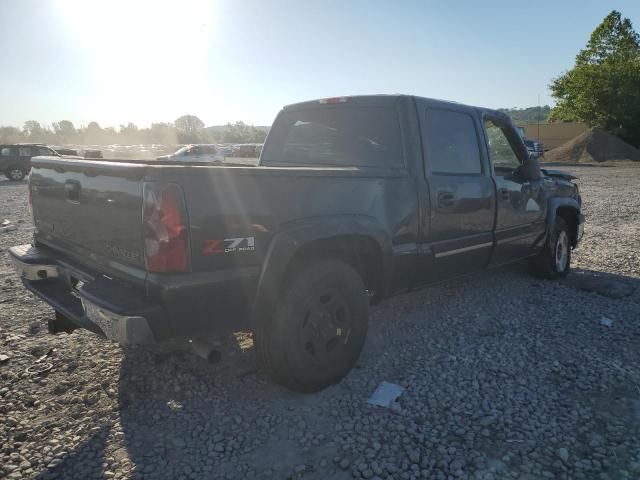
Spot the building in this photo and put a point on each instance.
(552, 134)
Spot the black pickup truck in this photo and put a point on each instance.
(354, 199)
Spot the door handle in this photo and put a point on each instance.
(504, 194)
(446, 199)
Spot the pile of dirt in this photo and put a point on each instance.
(593, 146)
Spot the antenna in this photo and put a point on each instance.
(538, 117)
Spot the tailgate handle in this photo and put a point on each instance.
(72, 187)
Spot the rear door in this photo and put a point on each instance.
(461, 191)
(520, 221)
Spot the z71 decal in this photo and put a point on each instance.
(229, 245)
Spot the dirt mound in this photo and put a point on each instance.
(593, 146)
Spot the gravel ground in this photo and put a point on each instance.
(505, 376)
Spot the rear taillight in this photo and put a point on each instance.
(166, 236)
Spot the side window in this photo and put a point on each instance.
(24, 151)
(451, 143)
(500, 151)
(6, 152)
(43, 151)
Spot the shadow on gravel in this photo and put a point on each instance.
(191, 419)
(84, 462)
(606, 284)
(9, 183)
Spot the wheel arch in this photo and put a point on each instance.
(358, 240)
(569, 210)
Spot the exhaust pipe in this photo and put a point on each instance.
(206, 350)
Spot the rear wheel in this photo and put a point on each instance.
(555, 259)
(15, 174)
(315, 336)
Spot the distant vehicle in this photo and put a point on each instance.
(226, 150)
(535, 149)
(66, 151)
(196, 153)
(90, 153)
(15, 160)
(354, 199)
(245, 151)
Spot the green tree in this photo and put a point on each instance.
(10, 135)
(33, 130)
(163, 133)
(93, 133)
(528, 114)
(603, 88)
(240, 132)
(65, 131)
(189, 129)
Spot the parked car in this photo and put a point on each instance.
(90, 153)
(66, 151)
(195, 153)
(225, 150)
(355, 199)
(244, 151)
(15, 160)
(535, 149)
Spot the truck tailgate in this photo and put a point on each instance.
(91, 210)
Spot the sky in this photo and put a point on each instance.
(145, 61)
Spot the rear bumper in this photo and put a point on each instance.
(166, 306)
(106, 307)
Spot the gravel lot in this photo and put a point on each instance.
(506, 377)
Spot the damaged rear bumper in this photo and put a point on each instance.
(104, 306)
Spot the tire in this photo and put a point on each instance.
(555, 259)
(318, 329)
(15, 174)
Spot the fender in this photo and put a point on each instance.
(293, 236)
(554, 203)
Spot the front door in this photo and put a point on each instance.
(522, 206)
(461, 193)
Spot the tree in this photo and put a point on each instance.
(32, 129)
(65, 131)
(189, 128)
(240, 132)
(603, 88)
(528, 114)
(93, 133)
(163, 133)
(10, 135)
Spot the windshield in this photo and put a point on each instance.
(181, 151)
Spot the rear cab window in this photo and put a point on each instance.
(344, 135)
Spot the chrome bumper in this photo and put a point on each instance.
(30, 271)
(101, 306)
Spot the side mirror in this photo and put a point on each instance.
(530, 169)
